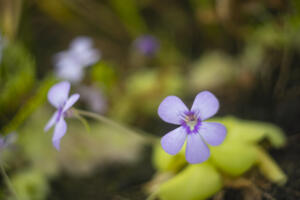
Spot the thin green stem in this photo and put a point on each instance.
(83, 121)
(7, 182)
(150, 138)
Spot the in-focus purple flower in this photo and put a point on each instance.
(193, 128)
(58, 96)
(70, 63)
(147, 45)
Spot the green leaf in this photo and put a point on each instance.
(30, 184)
(130, 15)
(104, 74)
(234, 158)
(163, 161)
(252, 131)
(195, 182)
(269, 168)
(210, 65)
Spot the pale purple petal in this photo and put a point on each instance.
(58, 94)
(196, 149)
(7, 140)
(10, 139)
(94, 98)
(68, 69)
(87, 57)
(173, 141)
(205, 105)
(172, 109)
(213, 133)
(51, 122)
(82, 52)
(2, 142)
(71, 101)
(81, 42)
(59, 132)
(59, 58)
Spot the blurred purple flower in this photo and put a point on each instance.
(94, 98)
(193, 128)
(70, 64)
(6, 141)
(1, 46)
(147, 45)
(58, 97)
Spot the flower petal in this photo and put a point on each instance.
(2, 143)
(205, 105)
(10, 139)
(67, 68)
(59, 132)
(213, 133)
(51, 122)
(81, 42)
(196, 149)
(173, 141)
(171, 109)
(82, 52)
(58, 94)
(71, 101)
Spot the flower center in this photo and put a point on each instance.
(191, 122)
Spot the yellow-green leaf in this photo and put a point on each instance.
(165, 162)
(234, 158)
(195, 182)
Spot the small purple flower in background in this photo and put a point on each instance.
(6, 141)
(82, 50)
(94, 98)
(147, 45)
(58, 96)
(1, 46)
(70, 64)
(193, 128)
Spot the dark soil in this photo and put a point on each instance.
(289, 160)
(116, 181)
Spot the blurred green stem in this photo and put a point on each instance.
(150, 138)
(7, 182)
(269, 168)
(83, 121)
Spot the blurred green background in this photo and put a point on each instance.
(244, 51)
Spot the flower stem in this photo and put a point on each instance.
(83, 121)
(7, 181)
(150, 138)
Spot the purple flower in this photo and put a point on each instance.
(58, 97)
(82, 50)
(192, 126)
(70, 64)
(1, 46)
(7, 140)
(147, 45)
(94, 98)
